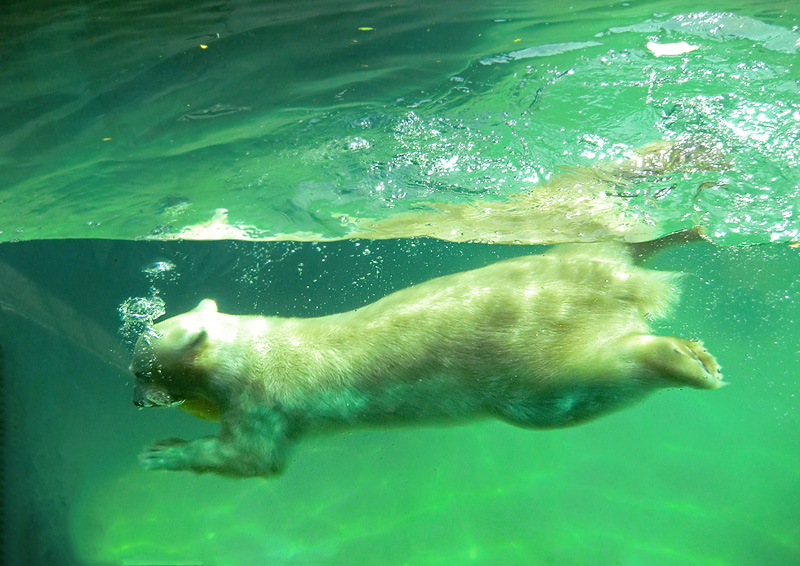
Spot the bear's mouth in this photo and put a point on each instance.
(154, 398)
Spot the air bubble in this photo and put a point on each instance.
(138, 314)
(160, 270)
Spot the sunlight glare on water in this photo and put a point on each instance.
(239, 112)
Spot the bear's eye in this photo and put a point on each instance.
(143, 376)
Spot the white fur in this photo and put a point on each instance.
(541, 341)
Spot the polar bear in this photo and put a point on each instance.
(543, 341)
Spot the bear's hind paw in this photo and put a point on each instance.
(677, 361)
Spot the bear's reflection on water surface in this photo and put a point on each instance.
(542, 341)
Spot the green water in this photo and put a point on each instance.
(118, 126)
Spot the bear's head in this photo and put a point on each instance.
(168, 364)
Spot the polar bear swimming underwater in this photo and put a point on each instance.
(542, 341)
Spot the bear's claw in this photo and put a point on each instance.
(165, 454)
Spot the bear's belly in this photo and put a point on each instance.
(571, 405)
(444, 401)
(422, 402)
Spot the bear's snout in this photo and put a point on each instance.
(140, 397)
(153, 398)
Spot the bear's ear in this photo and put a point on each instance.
(206, 305)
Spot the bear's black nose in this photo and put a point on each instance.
(140, 398)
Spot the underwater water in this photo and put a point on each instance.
(124, 124)
(685, 477)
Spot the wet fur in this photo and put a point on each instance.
(543, 341)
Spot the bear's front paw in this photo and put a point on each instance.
(168, 454)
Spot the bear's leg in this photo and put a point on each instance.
(675, 361)
(641, 251)
(250, 443)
